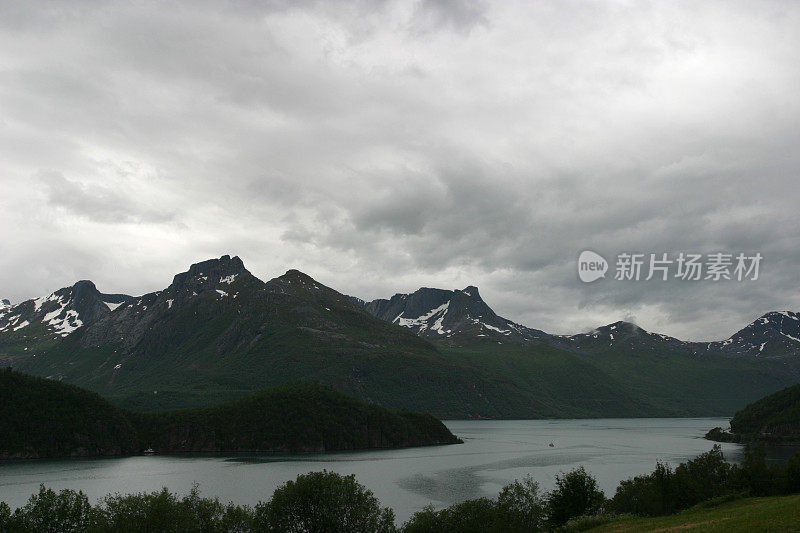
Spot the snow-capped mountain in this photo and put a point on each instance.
(446, 314)
(462, 315)
(24, 326)
(206, 289)
(774, 334)
(217, 331)
(620, 334)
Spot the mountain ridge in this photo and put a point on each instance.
(217, 332)
(442, 314)
(38, 322)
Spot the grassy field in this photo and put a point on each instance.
(781, 513)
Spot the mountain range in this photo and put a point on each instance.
(217, 332)
(462, 316)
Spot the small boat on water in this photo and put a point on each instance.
(149, 451)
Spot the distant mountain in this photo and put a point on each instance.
(33, 324)
(775, 334)
(620, 335)
(217, 332)
(449, 314)
(682, 377)
(463, 316)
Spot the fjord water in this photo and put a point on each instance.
(494, 453)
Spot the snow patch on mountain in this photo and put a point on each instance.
(437, 326)
(420, 323)
(111, 305)
(488, 326)
(38, 302)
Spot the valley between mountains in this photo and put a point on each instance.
(217, 333)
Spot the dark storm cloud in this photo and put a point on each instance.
(382, 146)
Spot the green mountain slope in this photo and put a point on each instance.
(217, 332)
(688, 384)
(42, 418)
(777, 415)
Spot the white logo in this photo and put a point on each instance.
(591, 266)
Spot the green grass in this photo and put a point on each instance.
(779, 513)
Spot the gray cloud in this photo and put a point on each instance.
(98, 202)
(382, 146)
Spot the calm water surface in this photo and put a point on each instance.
(493, 454)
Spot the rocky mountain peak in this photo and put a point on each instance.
(440, 313)
(623, 327)
(295, 276)
(212, 271)
(472, 291)
(776, 333)
(299, 283)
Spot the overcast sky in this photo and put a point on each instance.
(382, 146)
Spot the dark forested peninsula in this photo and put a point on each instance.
(774, 419)
(41, 418)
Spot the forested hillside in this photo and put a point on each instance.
(42, 418)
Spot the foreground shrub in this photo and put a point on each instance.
(754, 476)
(471, 516)
(575, 494)
(665, 491)
(49, 511)
(5, 515)
(705, 477)
(648, 495)
(323, 502)
(792, 483)
(521, 507)
(518, 508)
(164, 511)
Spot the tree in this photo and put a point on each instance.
(49, 511)
(324, 502)
(5, 516)
(702, 478)
(576, 494)
(753, 475)
(521, 507)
